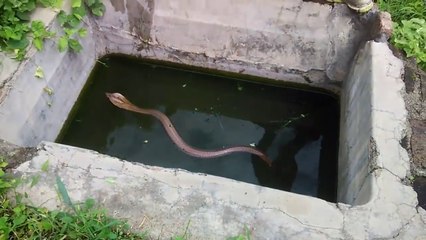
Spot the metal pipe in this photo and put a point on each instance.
(361, 6)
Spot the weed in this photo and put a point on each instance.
(82, 221)
(403, 9)
(16, 29)
(409, 35)
(85, 221)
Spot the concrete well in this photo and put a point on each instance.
(297, 42)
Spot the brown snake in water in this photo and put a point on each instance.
(120, 101)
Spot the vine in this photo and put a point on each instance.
(17, 30)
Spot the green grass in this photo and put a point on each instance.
(403, 9)
(409, 35)
(82, 221)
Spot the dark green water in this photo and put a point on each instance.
(297, 129)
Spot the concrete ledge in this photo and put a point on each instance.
(373, 123)
(165, 200)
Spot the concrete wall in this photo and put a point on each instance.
(289, 41)
(373, 123)
(356, 131)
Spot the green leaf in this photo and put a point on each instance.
(39, 73)
(82, 32)
(38, 28)
(70, 31)
(98, 9)
(79, 12)
(66, 219)
(62, 18)
(45, 165)
(27, 6)
(90, 2)
(51, 3)
(64, 193)
(58, 3)
(46, 225)
(26, 16)
(63, 43)
(18, 44)
(48, 90)
(19, 220)
(34, 180)
(75, 3)
(73, 21)
(38, 43)
(3, 163)
(75, 45)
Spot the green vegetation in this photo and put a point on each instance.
(403, 9)
(17, 31)
(83, 221)
(409, 35)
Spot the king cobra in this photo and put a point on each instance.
(120, 101)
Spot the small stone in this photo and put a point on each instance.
(381, 30)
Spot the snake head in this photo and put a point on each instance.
(118, 100)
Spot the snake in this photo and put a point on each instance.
(120, 101)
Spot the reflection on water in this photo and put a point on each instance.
(298, 130)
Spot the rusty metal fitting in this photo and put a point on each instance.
(361, 6)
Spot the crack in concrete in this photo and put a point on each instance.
(299, 221)
(392, 113)
(404, 225)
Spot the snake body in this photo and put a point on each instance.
(120, 101)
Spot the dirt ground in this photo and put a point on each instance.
(415, 99)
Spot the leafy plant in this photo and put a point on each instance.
(403, 9)
(39, 34)
(409, 27)
(5, 182)
(85, 221)
(72, 23)
(410, 36)
(16, 30)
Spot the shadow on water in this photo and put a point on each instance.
(297, 129)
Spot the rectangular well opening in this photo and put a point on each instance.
(297, 129)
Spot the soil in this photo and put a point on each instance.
(15, 155)
(415, 100)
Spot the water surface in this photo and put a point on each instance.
(297, 129)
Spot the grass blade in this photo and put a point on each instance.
(64, 193)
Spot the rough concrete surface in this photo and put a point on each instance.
(376, 204)
(299, 43)
(166, 201)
